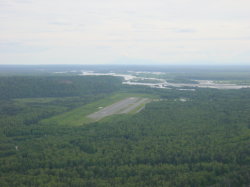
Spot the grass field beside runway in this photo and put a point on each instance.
(79, 115)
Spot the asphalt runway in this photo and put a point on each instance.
(134, 106)
(120, 107)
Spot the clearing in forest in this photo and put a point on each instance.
(85, 114)
(122, 107)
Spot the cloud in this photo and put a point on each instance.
(101, 31)
(60, 23)
(184, 30)
(18, 47)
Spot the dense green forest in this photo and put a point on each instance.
(203, 140)
(56, 86)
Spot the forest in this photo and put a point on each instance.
(203, 140)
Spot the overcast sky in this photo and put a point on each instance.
(125, 31)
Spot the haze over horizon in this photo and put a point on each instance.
(118, 32)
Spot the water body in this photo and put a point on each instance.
(163, 84)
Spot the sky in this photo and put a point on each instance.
(197, 32)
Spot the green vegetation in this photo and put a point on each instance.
(151, 81)
(56, 86)
(140, 107)
(201, 142)
(182, 80)
(78, 115)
